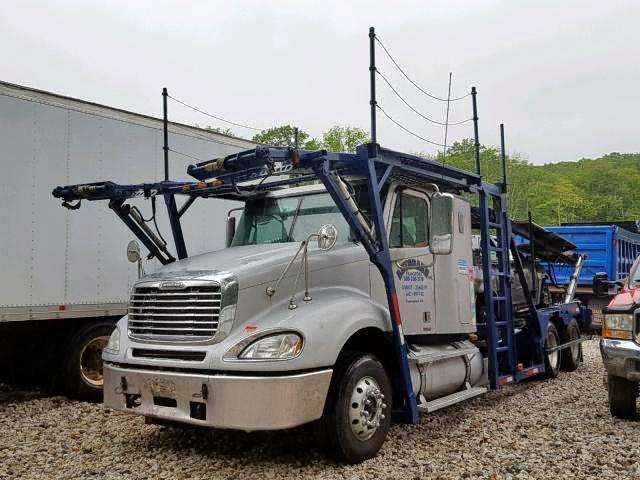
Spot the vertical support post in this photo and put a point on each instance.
(295, 137)
(372, 78)
(170, 199)
(446, 121)
(532, 258)
(503, 156)
(475, 129)
(382, 259)
(165, 124)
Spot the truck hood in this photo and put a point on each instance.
(627, 297)
(256, 264)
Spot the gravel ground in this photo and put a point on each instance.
(543, 429)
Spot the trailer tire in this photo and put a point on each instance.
(553, 360)
(571, 356)
(360, 391)
(82, 373)
(622, 397)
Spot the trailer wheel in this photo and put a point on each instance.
(83, 370)
(552, 359)
(358, 411)
(622, 397)
(571, 356)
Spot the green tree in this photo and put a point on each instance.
(343, 139)
(284, 136)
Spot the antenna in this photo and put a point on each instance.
(372, 78)
(475, 128)
(503, 156)
(165, 123)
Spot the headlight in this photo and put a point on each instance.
(274, 347)
(113, 346)
(618, 325)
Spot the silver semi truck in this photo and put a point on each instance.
(55, 283)
(343, 300)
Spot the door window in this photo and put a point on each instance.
(409, 223)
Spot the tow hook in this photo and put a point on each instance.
(205, 391)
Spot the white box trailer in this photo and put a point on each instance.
(72, 267)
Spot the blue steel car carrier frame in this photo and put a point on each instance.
(513, 354)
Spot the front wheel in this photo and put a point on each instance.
(358, 413)
(622, 397)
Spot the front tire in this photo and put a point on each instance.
(358, 412)
(82, 375)
(622, 397)
(552, 359)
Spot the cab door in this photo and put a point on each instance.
(412, 261)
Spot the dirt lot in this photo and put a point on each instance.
(542, 429)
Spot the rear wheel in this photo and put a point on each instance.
(358, 412)
(552, 359)
(83, 376)
(571, 356)
(622, 397)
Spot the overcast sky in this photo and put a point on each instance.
(562, 75)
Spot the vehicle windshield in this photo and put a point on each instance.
(288, 219)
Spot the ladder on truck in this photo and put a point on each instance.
(253, 172)
(499, 325)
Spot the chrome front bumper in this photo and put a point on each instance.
(222, 401)
(621, 358)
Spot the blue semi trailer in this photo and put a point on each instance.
(610, 248)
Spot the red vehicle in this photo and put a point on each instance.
(620, 343)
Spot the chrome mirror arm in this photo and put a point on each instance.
(271, 290)
(304, 265)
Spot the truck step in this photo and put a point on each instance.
(451, 399)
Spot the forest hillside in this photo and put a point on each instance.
(587, 190)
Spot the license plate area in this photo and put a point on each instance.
(165, 402)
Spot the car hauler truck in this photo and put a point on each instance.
(65, 279)
(345, 297)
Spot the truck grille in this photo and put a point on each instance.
(190, 313)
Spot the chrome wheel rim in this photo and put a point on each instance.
(552, 357)
(366, 408)
(91, 361)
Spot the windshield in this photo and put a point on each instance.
(288, 219)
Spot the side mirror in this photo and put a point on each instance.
(327, 237)
(603, 287)
(231, 226)
(133, 255)
(231, 230)
(133, 251)
(441, 228)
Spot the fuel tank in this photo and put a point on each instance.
(440, 370)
